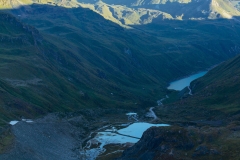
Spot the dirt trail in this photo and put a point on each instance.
(153, 113)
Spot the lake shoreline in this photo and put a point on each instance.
(185, 82)
(194, 73)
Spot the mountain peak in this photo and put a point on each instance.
(223, 8)
(135, 12)
(138, 10)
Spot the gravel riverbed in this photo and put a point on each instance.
(45, 139)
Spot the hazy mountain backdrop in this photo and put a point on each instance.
(135, 12)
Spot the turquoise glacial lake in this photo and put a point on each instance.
(182, 83)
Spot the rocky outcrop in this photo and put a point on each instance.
(170, 143)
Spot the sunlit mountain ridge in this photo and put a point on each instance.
(138, 12)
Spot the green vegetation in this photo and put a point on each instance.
(57, 59)
(73, 58)
(6, 141)
(190, 142)
(216, 96)
(219, 89)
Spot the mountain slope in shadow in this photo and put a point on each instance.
(208, 120)
(75, 58)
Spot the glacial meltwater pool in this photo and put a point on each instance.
(137, 129)
(182, 83)
(130, 134)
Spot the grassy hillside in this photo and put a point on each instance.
(213, 111)
(70, 68)
(30, 84)
(71, 58)
(219, 90)
(215, 97)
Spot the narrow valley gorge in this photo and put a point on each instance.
(119, 80)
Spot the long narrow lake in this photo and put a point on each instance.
(182, 83)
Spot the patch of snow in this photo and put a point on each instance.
(132, 115)
(13, 122)
(27, 120)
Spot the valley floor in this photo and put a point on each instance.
(59, 136)
(45, 138)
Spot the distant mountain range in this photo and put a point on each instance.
(146, 11)
(136, 12)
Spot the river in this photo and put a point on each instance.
(131, 133)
